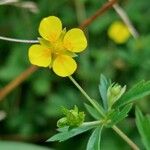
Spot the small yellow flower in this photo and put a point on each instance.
(57, 47)
(118, 32)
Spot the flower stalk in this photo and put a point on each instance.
(85, 95)
(18, 40)
(91, 123)
(126, 138)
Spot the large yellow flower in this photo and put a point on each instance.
(57, 47)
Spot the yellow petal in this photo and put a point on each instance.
(39, 55)
(64, 65)
(50, 28)
(75, 40)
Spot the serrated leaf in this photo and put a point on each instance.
(137, 92)
(103, 86)
(117, 115)
(94, 140)
(122, 114)
(93, 112)
(143, 125)
(66, 134)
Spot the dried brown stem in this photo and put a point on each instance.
(98, 13)
(23, 76)
(14, 83)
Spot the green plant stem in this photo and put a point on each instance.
(126, 138)
(18, 40)
(91, 123)
(86, 95)
(115, 128)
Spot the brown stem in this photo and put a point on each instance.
(98, 13)
(14, 83)
(23, 76)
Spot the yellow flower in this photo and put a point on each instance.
(57, 47)
(118, 32)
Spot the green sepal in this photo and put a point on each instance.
(114, 93)
(45, 42)
(71, 54)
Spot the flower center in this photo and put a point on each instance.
(58, 47)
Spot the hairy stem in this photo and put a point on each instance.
(126, 138)
(91, 123)
(18, 40)
(86, 95)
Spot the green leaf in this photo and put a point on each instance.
(93, 112)
(117, 115)
(103, 86)
(121, 114)
(143, 125)
(137, 92)
(94, 140)
(66, 133)
(101, 109)
(8, 145)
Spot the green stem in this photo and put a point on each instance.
(126, 138)
(18, 40)
(115, 128)
(86, 95)
(91, 123)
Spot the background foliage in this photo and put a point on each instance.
(34, 107)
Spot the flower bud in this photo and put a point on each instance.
(114, 92)
(72, 118)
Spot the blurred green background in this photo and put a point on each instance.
(33, 108)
